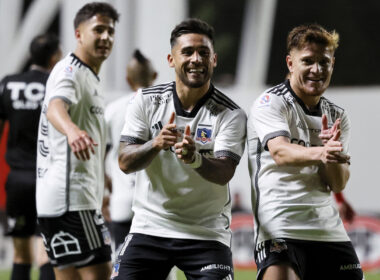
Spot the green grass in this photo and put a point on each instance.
(239, 275)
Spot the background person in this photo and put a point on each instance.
(21, 97)
(71, 148)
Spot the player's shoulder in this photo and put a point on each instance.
(158, 89)
(70, 67)
(222, 99)
(329, 105)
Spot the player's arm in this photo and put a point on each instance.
(217, 170)
(333, 165)
(135, 157)
(80, 142)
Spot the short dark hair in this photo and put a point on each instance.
(312, 33)
(91, 9)
(42, 48)
(192, 25)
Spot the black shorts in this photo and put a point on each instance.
(119, 230)
(78, 238)
(311, 260)
(150, 257)
(21, 203)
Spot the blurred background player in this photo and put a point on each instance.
(71, 150)
(21, 98)
(140, 74)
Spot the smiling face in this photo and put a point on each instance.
(95, 38)
(193, 59)
(310, 70)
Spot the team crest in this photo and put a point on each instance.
(278, 245)
(204, 135)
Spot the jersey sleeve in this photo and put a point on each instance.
(269, 116)
(230, 140)
(345, 127)
(64, 85)
(136, 127)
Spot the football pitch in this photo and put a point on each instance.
(239, 275)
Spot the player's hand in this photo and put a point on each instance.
(81, 143)
(332, 150)
(167, 136)
(186, 148)
(326, 132)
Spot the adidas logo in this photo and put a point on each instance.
(157, 126)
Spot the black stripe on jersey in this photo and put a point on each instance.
(131, 140)
(77, 62)
(159, 89)
(257, 190)
(280, 89)
(228, 154)
(223, 99)
(340, 109)
(273, 135)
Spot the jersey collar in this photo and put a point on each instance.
(317, 112)
(178, 106)
(84, 64)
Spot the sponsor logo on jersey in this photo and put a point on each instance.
(265, 99)
(204, 135)
(278, 245)
(96, 110)
(159, 99)
(157, 126)
(350, 266)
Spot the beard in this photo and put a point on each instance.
(195, 82)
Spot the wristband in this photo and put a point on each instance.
(197, 161)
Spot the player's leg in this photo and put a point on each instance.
(96, 272)
(280, 272)
(42, 260)
(21, 218)
(77, 243)
(279, 259)
(200, 259)
(143, 257)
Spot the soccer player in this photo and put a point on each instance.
(140, 74)
(71, 148)
(184, 139)
(21, 96)
(299, 234)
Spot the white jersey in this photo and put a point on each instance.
(290, 201)
(171, 199)
(122, 184)
(65, 183)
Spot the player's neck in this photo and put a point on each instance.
(94, 64)
(189, 96)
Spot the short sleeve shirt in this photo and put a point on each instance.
(65, 183)
(171, 199)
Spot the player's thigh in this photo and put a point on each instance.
(280, 272)
(23, 249)
(41, 255)
(143, 257)
(96, 272)
(76, 239)
(200, 259)
(66, 273)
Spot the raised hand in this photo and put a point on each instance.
(326, 132)
(186, 148)
(167, 136)
(332, 150)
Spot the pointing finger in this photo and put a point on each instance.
(172, 118)
(187, 130)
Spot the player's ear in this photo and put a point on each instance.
(289, 63)
(77, 34)
(215, 60)
(170, 60)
